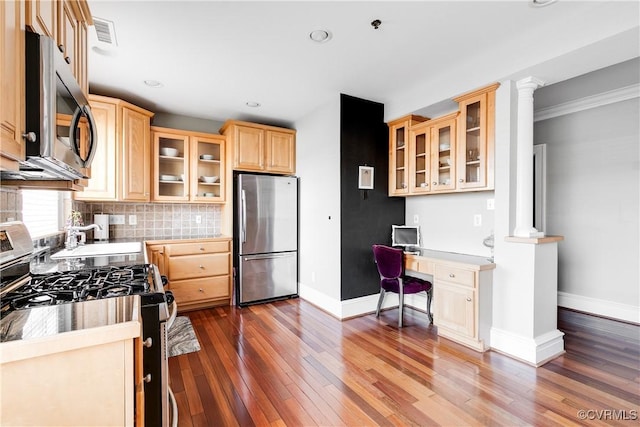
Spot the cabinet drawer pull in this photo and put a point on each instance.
(201, 290)
(452, 275)
(201, 248)
(468, 299)
(435, 183)
(147, 378)
(148, 342)
(201, 266)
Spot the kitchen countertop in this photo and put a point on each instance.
(52, 329)
(43, 263)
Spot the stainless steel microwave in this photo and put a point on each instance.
(61, 136)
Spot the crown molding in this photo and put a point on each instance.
(588, 102)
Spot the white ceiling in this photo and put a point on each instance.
(214, 56)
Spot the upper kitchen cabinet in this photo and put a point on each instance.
(476, 129)
(66, 21)
(399, 154)
(432, 155)
(261, 148)
(188, 166)
(447, 154)
(121, 168)
(12, 146)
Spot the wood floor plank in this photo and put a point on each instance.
(288, 363)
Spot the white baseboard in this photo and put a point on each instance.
(535, 351)
(348, 308)
(615, 310)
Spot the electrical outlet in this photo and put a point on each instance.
(116, 219)
(133, 220)
(491, 204)
(477, 220)
(416, 219)
(198, 219)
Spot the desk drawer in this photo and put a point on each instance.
(175, 249)
(417, 264)
(455, 275)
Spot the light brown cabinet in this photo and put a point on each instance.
(65, 21)
(399, 153)
(476, 139)
(199, 272)
(12, 145)
(452, 153)
(261, 148)
(121, 168)
(188, 166)
(462, 295)
(432, 148)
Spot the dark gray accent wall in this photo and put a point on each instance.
(366, 215)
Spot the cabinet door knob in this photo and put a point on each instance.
(201, 248)
(201, 290)
(452, 275)
(435, 183)
(461, 180)
(29, 136)
(201, 266)
(469, 299)
(147, 378)
(148, 342)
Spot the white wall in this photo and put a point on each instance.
(318, 166)
(446, 221)
(593, 193)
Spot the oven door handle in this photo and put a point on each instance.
(173, 315)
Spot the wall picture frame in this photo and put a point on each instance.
(365, 177)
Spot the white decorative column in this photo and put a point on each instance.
(524, 172)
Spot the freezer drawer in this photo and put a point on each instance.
(267, 276)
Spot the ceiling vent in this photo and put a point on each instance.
(105, 31)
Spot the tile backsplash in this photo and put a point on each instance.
(156, 220)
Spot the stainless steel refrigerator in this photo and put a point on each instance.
(266, 237)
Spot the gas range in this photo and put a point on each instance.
(83, 285)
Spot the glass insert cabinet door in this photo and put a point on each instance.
(443, 147)
(207, 169)
(171, 162)
(475, 154)
(399, 153)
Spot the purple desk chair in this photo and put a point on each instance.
(390, 264)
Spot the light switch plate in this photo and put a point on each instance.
(416, 219)
(477, 220)
(491, 204)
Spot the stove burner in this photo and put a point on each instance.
(82, 285)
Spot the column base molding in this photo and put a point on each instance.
(534, 351)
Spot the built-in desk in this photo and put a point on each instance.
(462, 295)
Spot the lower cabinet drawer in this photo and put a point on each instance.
(200, 289)
(176, 249)
(195, 266)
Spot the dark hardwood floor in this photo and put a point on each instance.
(291, 364)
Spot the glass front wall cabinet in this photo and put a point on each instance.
(476, 139)
(399, 153)
(170, 166)
(443, 148)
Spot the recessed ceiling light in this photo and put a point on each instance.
(252, 104)
(320, 36)
(153, 83)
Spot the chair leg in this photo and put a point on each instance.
(380, 302)
(429, 297)
(400, 309)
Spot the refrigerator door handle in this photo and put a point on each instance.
(268, 256)
(243, 231)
